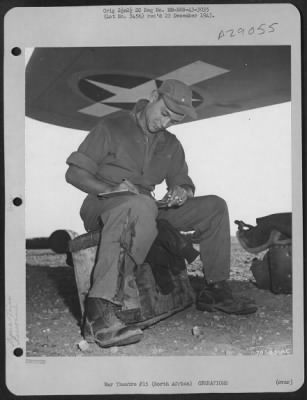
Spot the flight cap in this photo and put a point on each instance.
(178, 97)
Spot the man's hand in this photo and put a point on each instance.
(176, 196)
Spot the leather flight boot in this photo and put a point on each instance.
(218, 296)
(102, 325)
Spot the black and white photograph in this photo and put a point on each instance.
(160, 194)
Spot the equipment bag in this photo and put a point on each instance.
(274, 271)
(272, 234)
(154, 304)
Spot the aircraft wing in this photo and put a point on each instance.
(74, 87)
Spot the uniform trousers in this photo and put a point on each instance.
(206, 215)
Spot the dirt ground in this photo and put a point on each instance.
(53, 317)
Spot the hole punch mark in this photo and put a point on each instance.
(18, 352)
(16, 51)
(17, 201)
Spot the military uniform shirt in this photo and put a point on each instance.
(118, 149)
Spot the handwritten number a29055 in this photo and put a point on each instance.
(260, 30)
